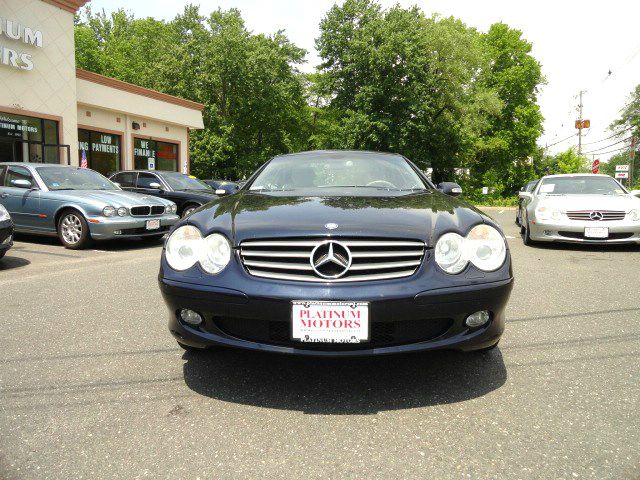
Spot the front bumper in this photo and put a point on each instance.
(411, 322)
(6, 235)
(572, 231)
(107, 228)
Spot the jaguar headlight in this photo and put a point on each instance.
(216, 253)
(4, 215)
(108, 211)
(485, 248)
(184, 247)
(122, 211)
(170, 209)
(634, 215)
(450, 253)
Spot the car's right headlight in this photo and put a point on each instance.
(483, 246)
(4, 214)
(186, 247)
(545, 213)
(108, 211)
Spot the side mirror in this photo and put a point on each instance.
(221, 191)
(635, 193)
(525, 195)
(21, 183)
(450, 188)
(155, 185)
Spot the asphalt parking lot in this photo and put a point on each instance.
(93, 386)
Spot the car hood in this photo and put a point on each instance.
(115, 198)
(590, 202)
(423, 216)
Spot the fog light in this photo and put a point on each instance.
(477, 319)
(548, 233)
(190, 317)
(117, 232)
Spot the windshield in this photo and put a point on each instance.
(333, 174)
(179, 181)
(582, 185)
(69, 178)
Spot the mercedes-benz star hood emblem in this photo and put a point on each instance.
(330, 259)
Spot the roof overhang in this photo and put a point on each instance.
(69, 5)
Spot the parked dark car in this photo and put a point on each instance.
(6, 231)
(227, 187)
(79, 205)
(527, 188)
(186, 191)
(337, 253)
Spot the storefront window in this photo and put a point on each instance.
(155, 155)
(167, 157)
(28, 139)
(99, 151)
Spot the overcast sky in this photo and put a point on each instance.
(577, 42)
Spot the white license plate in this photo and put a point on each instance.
(153, 224)
(330, 322)
(596, 232)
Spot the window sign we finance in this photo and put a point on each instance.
(11, 53)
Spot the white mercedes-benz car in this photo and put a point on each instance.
(583, 208)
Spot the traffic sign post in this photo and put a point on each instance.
(595, 166)
(622, 174)
(622, 168)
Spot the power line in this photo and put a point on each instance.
(610, 145)
(563, 140)
(612, 151)
(611, 136)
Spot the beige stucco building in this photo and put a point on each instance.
(52, 112)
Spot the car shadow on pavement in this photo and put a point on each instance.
(343, 386)
(585, 247)
(105, 245)
(9, 262)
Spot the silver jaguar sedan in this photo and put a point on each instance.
(79, 205)
(582, 208)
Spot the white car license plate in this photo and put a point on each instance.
(596, 232)
(330, 322)
(153, 224)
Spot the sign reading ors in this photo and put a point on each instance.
(15, 31)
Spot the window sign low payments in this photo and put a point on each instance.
(330, 322)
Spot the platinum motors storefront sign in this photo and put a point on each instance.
(12, 56)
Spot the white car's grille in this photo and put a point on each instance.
(596, 215)
(356, 259)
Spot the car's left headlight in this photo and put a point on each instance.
(483, 246)
(634, 215)
(171, 209)
(4, 214)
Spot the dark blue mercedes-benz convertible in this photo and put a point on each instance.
(337, 253)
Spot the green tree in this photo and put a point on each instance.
(254, 96)
(399, 81)
(505, 149)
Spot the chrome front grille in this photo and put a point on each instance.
(147, 210)
(596, 215)
(370, 259)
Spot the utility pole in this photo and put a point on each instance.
(580, 124)
(632, 156)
